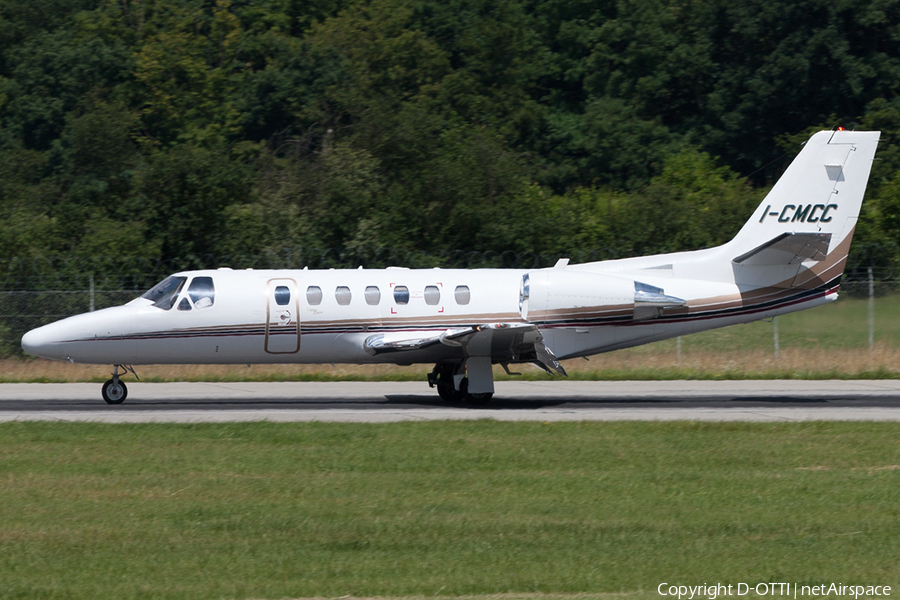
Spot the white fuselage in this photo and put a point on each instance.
(246, 324)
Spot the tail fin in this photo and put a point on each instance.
(811, 213)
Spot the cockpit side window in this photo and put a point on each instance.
(164, 293)
(202, 292)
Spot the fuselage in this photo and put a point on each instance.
(327, 316)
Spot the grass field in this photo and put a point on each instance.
(827, 342)
(442, 509)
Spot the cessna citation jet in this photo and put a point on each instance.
(789, 256)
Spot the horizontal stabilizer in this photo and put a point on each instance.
(788, 248)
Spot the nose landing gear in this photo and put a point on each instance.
(114, 391)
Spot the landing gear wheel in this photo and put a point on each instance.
(114, 392)
(447, 392)
(444, 383)
(474, 399)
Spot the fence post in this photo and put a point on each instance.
(775, 335)
(871, 311)
(92, 292)
(678, 349)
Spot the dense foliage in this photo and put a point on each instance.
(176, 128)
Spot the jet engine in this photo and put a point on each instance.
(559, 296)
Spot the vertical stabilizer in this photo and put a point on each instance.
(821, 192)
(799, 237)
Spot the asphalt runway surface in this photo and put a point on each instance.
(561, 400)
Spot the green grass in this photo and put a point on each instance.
(838, 325)
(444, 508)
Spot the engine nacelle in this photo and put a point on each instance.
(556, 295)
(560, 296)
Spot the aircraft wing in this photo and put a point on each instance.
(381, 343)
(455, 336)
(460, 337)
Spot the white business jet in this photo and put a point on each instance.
(789, 256)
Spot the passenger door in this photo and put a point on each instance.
(282, 317)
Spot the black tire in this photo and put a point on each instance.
(447, 392)
(445, 384)
(474, 399)
(114, 392)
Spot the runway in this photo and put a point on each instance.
(379, 402)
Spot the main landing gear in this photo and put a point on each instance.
(453, 385)
(114, 391)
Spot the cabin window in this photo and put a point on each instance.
(314, 295)
(184, 304)
(373, 295)
(342, 295)
(401, 294)
(165, 292)
(282, 295)
(432, 295)
(202, 292)
(462, 294)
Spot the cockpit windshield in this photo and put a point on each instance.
(164, 293)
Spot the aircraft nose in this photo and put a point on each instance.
(44, 342)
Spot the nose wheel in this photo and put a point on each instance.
(114, 391)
